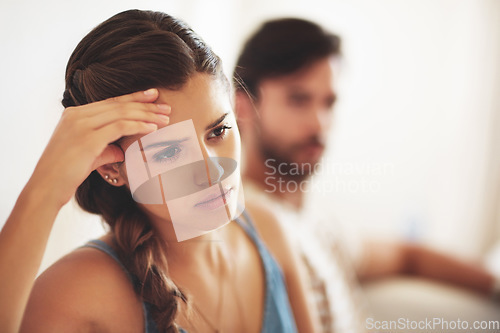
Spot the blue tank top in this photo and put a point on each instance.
(277, 316)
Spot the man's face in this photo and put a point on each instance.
(295, 114)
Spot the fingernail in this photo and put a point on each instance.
(164, 107)
(163, 118)
(151, 91)
(152, 126)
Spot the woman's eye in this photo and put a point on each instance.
(219, 132)
(168, 154)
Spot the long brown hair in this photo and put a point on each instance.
(132, 51)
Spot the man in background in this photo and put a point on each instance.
(285, 94)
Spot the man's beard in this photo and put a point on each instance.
(290, 169)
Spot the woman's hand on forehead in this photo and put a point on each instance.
(82, 140)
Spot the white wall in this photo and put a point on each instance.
(417, 96)
(421, 95)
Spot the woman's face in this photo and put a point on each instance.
(187, 173)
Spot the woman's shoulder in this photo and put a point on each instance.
(85, 269)
(265, 220)
(272, 230)
(86, 290)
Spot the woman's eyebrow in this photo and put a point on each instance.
(217, 122)
(165, 143)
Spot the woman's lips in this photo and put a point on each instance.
(215, 200)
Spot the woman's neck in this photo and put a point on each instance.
(204, 249)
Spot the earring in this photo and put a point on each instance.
(114, 180)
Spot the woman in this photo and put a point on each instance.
(135, 73)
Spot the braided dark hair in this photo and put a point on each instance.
(132, 51)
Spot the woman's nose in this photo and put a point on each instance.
(212, 174)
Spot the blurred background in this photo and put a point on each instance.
(415, 149)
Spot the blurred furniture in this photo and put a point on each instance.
(418, 299)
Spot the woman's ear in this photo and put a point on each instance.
(111, 173)
(109, 164)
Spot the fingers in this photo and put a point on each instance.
(103, 122)
(146, 112)
(147, 96)
(142, 97)
(118, 129)
(137, 107)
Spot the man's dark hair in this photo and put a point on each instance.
(280, 47)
